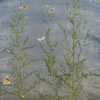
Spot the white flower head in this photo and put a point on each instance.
(41, 39)
(50, 8)
(26, 17)
(21, 7)
(7, 50)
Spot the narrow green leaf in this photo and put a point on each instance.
(28, 47)
(26, 40)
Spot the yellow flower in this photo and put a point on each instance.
(25, 6)
(6, 81)
(22, 96)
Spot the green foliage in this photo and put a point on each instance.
(65, 79)
(20, 60)
(72, 74)
(50, 61)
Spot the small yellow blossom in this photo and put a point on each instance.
(22, 96)
(24, 6)
(6, 81)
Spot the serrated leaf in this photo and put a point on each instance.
(12, 38)
(27, 75)
(85, 75)
(82, 61)
(24, 59)
(71, 20)
(94, 74)
(26, 40)
(34, 60)
(86, 36)
(28, 47)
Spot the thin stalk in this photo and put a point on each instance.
(20, 76)
(19, 62)
(73, 67)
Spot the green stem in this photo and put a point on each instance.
(73, 67)
(20, 77)
(20, 65)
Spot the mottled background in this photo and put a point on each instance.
(35, 27)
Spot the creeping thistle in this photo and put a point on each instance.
(19, 51)
(72, 70)
(50, 56)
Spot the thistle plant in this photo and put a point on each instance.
(70, 75)
(15, 81)
(49, 55)
(72, 71)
